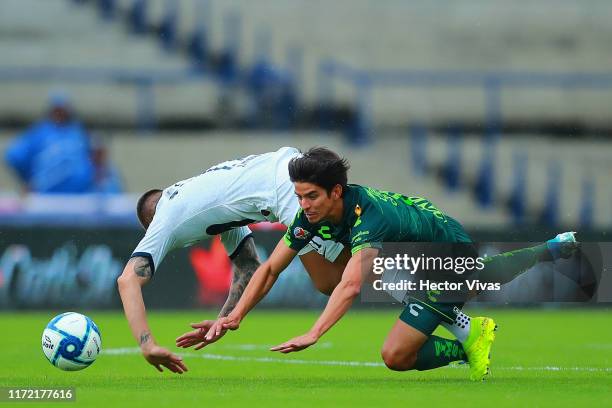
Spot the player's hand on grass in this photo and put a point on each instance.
(196, 337)
(296, 344)
(158, 356)
(221, 326)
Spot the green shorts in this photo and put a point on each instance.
(425, 316)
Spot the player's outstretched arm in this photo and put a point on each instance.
(260, 284)
(137, 273)
(339, 302)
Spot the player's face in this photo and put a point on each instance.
(315, 201)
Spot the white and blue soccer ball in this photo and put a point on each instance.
(71, 341)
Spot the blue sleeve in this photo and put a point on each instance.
(19, 154)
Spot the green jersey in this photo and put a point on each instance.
(371, 217)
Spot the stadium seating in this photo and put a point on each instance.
(416, 35)
(577, 160)
(411, 36)
(56, 34)
(386, 164)
(60, 36)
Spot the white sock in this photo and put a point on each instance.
(460, 328)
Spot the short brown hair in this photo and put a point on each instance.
(145, 208)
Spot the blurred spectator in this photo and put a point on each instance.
(107, 178)
(55, 156)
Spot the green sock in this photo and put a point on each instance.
(504, 267)
(438, 352)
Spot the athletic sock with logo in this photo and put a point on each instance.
(438, 352)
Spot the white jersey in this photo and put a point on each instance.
(222, 200)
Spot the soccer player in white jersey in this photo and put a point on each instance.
(221, 201)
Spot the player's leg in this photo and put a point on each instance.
(325, 267)
(461, 325)
(411, 345)
(399, 351)
(505, 267)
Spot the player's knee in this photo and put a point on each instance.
(398, 360)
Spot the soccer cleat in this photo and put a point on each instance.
(563, 245)
(478, 346)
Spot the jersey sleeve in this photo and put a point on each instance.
(298, 233)
(368, 231)
(156, 243)
(234, 239)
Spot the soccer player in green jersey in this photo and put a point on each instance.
(364, 218)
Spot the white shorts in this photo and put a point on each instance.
(326, 248)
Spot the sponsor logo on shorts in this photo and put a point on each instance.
(300, 233)
(415, 309)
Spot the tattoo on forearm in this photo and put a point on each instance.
(142, 267)
(245, 264)
(145, 337)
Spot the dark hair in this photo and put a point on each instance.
(145, 208)
(320, 166)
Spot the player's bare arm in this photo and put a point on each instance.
(245, 264)
(137, 272)
(338, 304)
(261, 283)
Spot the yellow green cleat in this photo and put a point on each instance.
(478, 346)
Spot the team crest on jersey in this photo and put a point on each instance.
(300, 233)
(358, 210)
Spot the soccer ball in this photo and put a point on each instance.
(71, 341)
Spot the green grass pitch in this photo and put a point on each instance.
(540, 358)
